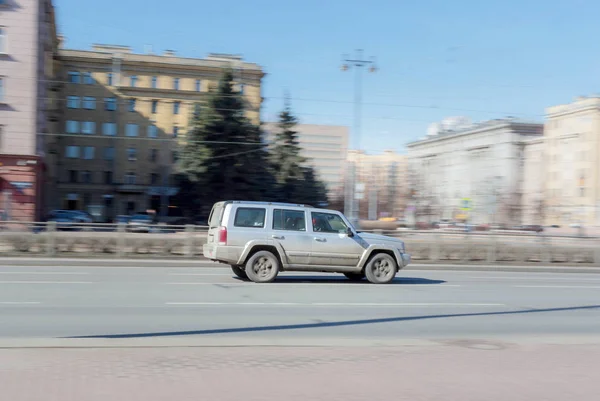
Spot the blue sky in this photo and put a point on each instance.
(436, 58)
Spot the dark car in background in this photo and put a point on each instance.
(69, 219)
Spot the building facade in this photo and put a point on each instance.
(534, 193)
(572, 171)
(382, 184)
(124, 117)
(325, 147)
(28, 44)
(471, 172)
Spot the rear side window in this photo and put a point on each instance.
(250, 217)
(290, 220)
(215, 216)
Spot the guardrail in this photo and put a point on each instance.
(121, 240)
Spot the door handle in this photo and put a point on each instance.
(277, 237)
(320, 239)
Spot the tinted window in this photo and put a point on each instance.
(290, 220)
(328, 223)
(249, 217)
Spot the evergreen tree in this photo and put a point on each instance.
(224, 157)
(296, 181)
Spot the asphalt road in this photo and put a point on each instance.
(205, 304)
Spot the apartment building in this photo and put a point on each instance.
(473, 172)
(382, 183)
(572, 171)
(325, 147)
(125, 116)
(28, 44)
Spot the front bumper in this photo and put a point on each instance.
(405, 259)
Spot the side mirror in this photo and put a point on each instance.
(350, 232)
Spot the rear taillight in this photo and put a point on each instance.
(223, 235)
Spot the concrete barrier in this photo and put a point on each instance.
(186, 242)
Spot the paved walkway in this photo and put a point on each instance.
(460, 370)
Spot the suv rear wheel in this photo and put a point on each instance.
(381, 268)
(239, 271)
(262, 267)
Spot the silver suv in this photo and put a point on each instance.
(260, 239)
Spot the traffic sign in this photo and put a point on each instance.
(466, 204)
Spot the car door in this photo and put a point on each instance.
(289, 231)
(331, 245)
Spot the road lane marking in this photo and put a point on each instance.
(201, 274)
(535, 278)
(331, 304)
(556, 286)
(47, 273)
(18, 303)
(46, 282)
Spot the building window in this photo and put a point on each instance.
(153, 179)
(197, 109)
(109, 79)
(73, 176)
(3, 40)
(108, 177)
(152, 131)
(198, 85)
(154, 106)
(176, 106)
(109, 129)
(109, 153)
(153, 155)
(1, 89)
(175, 131)
(74, 77)
(110, 104)
(88, 152)
(88, 127)
(131, 154)
(154, 82)
(72, 152)
(131, 105)
(130, 178)
(176, 84)
(72, 127)
(87, 78)
(174, 156)
(131, 130)
(86, 177)
(133, 80)
(89, 103)
(73, 102)
(242, 88)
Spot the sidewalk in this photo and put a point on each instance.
(459, 370)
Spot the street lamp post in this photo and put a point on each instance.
(358, 63)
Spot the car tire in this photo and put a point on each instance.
(381, 269)
(239, 272)
(354, 276)
(262, 267)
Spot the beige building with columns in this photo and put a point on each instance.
(572, 168)
(124, 116)
(384, 177)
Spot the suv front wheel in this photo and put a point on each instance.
(381, 268)
(262, 267)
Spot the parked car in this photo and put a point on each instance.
(260, 239)
(141, 223)
(69, 219)
(533, 227)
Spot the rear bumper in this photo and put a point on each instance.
(225, 254)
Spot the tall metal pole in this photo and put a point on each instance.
(358, 62)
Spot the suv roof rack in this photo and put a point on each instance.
(272, 203)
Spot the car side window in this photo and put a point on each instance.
(289, 220)
(328, 223)
(249, 217)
